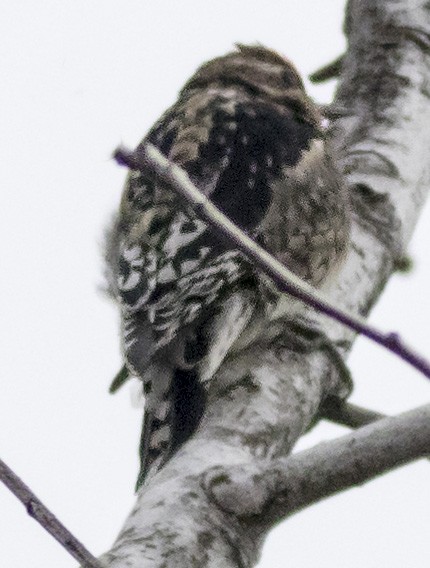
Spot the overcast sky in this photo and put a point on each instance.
(79, 77)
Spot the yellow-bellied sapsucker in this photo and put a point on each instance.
(249, 137)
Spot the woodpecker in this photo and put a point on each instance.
(250, 138)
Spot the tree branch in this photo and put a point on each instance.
(39, 512)
(309, 476)
(349, 415)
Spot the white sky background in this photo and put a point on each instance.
(79, 77)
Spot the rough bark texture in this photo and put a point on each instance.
(263, 400)
(307, 477)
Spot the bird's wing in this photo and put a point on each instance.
(172, 266)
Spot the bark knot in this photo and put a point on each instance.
(240, 490)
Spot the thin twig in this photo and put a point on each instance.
(148, 159)
(347, 414)
(350, 415)
(37, 510)
(330, 71)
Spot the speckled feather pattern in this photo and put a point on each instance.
(250, 139)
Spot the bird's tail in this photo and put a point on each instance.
(169, 419)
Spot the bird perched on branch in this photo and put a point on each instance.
(251, 140)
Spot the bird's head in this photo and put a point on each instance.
(263, 73)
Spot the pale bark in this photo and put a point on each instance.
(263, 400)
(304, 478)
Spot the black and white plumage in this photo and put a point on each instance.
(245, 131)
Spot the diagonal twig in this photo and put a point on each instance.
(331, 70)
(39, 512)
(149, 159)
